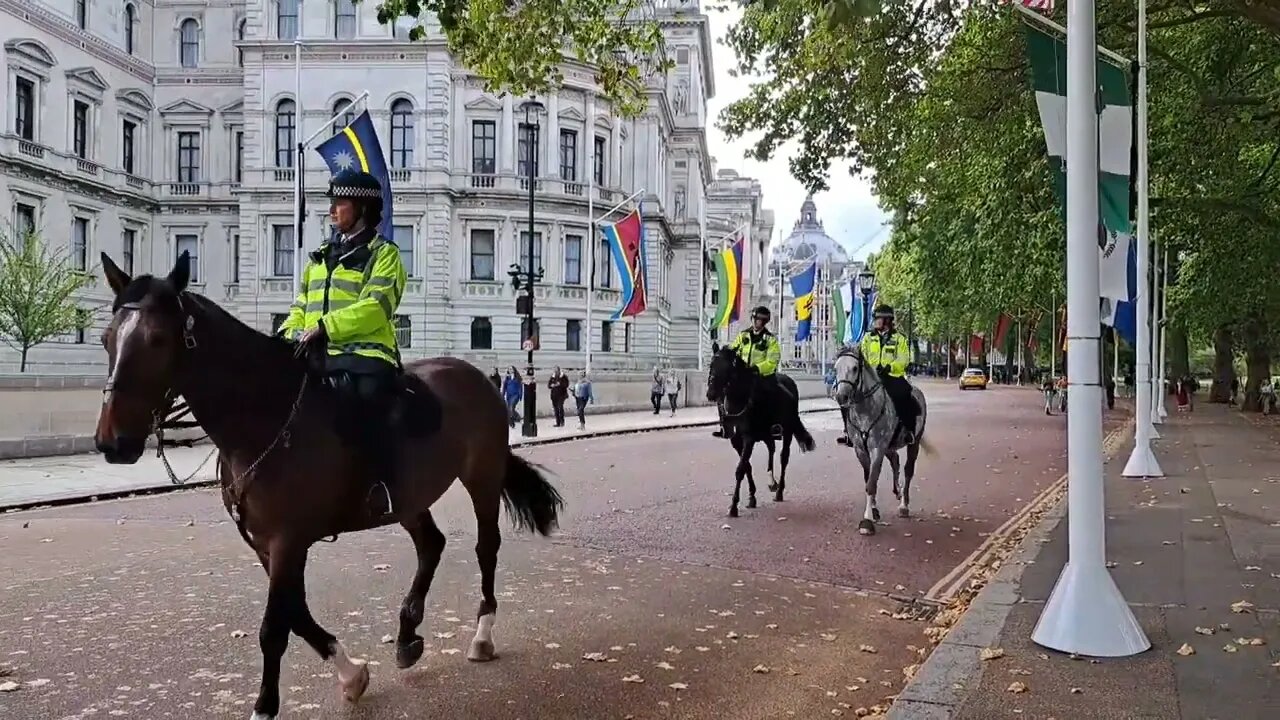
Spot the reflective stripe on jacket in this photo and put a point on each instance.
(356, 296)
(761, 351)
(890, 351)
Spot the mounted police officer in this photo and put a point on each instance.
(351, 288)
(888, 351)
(759, 348)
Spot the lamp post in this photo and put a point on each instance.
(867, 284)
(529, 427)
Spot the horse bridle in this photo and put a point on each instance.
(751, 397)
(858, 394)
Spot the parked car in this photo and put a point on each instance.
(973, 378)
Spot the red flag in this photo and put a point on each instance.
(1003, 323)
(975, 344)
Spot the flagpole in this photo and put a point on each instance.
(1053, 334)
(702, 280)
(1142, 461)
(298, 188)
(1164, 332)
(591, 227)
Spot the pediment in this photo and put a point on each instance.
(604, 121)
(185, 107)
(137, 98)
(31, 49)
(89, 77)
(571, 113)
(484, 102)
(235, 108)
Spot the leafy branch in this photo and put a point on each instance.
(37, 293)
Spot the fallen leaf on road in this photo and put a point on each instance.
(38, 683)
(450, 651)
(237, 633)
(702, 648)
(828, 637)
(549, 646)
(382, 567)
(1137, 562)
(9, 686)
(1076, 691)
(560, 666)
(450, 634)
(388, 639)
(678, 686)
(1230, 648)
(772, 626)
(633, 679)
(1251, 568)
(1250, 641)
(673, 650)
(991, 653)
(1204, 631)
(867, 649)
(910, 671)
(732, 635)
(762, 669)
(1017, 687)
(595, 657)
(1243, 606)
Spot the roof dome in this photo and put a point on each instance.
(808, 240)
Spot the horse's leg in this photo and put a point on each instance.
(744, 458)
(750, 443)
(894, 465)
(904, 502)
(428, 543)
(867, 526)
(487, 544)
(782, 476)
(773, 482)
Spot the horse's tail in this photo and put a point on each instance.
(532, 502)
(927, 447)
(803, 438)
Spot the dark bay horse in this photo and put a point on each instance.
(751, 410)
(287, 478)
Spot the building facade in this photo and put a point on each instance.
(145, 130)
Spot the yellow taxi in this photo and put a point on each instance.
(973, 378)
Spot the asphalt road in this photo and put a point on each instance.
(149, 607)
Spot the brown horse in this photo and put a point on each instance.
(287, 478)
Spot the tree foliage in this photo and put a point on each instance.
(521, 46)
(37, 293)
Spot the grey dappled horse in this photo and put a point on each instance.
(870, 421)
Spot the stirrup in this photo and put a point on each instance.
(386, 493)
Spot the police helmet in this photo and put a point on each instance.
(762, 311)
(884, 311)
(361, 187)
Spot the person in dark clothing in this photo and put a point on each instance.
(1111, 393)
(558, 388)
(496, 379)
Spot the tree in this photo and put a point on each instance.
(37, 293)
(521, 47)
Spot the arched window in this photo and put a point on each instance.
(401, 134)
(129, 19)
(286, 19)
(189, 43)
(344, 114)
(481, 334)
(344, 19)
(240, 36)
(286, 128)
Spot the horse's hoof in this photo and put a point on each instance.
(904, 512)
(875, 514)
(751, 502)
(733, 511)
(261, 716)
(481, 651)
(866, 527)
(354, 688)
(408, 653)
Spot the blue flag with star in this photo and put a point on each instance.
(356, 147)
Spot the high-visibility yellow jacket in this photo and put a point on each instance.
(889, 351)
(761, 351)
(355, 295)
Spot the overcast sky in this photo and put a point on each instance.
(848, 210)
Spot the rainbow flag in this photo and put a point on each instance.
(626, 241)
(729, 280)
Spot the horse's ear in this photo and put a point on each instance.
(180, 276)
(117, 279)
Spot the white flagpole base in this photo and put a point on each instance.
(1155, 434)
(1142, 463)
(1162, 414)
(1087, 615)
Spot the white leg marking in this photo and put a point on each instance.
(871, 504)
(482, 645)
(260, 716)
(353, 675)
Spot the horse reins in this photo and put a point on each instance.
(859, 395)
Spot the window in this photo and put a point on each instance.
(237, 160)
(604, 265)
(573, 335)
(344, 19)
(79, 244)
(569, 155)
(404, 331)
(344, 114)
(189, 43)
(484, 146)
(601, 151)
(287, 19)
(129, 19)
(401, 134)
(626, 338)
(24, 219)
(128, 133)
(80, 129)
(606, 336)
(528, 140)
(402, 236)
(82, 13)
(233, 252)
(481, 334)
(240, 36)
(84, 318)
(189, 244)
(282, 247)
(285, 126)
(524, 251)
(128, 245)
(572, 259)
(482, 254)
(25, 109)
(188, 157)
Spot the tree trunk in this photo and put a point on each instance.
(22, 365)
(1178, 355)
(1223, 366)
(1257, 357)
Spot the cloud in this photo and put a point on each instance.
(848, 210)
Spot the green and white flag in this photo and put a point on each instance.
(1115, 144)
(842, 300)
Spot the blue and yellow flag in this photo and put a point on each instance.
(357, 148)
(802, 287)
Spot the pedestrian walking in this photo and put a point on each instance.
(496, 379)
(513, 393)
(1235, 390)
(655, 390)
(582, 397)
(671, 385)
(1111, 393)
(558, 387)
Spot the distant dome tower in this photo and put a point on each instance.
(809, 240)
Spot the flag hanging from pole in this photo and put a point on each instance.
(729, 282)
(626, 244)
(356, 147)
(802, 287)
(840, 307)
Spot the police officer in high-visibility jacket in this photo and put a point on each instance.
(759, 348)
(888, 352)
(351, 288)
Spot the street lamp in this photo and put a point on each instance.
(529, 427)
(867, 284)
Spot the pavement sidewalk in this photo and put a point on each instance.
(1197, 556)
(68, 478)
